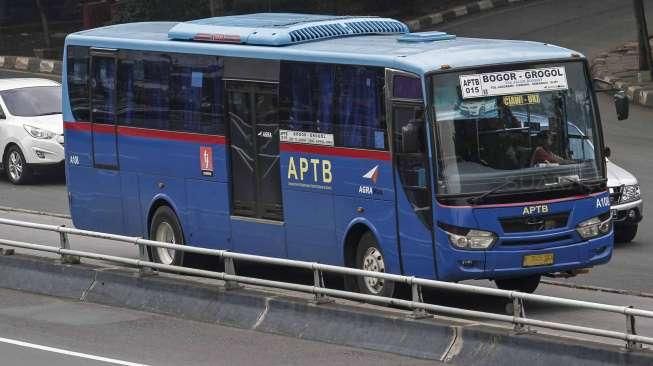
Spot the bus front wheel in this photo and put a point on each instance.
(522, 284)
(165, 227)
(370, 258)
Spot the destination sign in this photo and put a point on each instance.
(513, 82)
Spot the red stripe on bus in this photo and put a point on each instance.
(104, 128)
(171, 135)
(335, 151)
(145, 132)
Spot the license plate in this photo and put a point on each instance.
(538, 260)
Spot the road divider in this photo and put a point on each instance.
(136, 290)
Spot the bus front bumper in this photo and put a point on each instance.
(509, 263)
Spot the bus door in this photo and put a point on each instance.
(105, 179)
(103, 109)
(411, 174)
(256, 202)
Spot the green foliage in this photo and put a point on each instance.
(153, 10)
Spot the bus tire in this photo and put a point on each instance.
(369, 257)
(522, 284)
(16, 168)
(165, 227)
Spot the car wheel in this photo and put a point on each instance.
(522, 284)
(165, 227)
(370, 258)
(625, 234)
(16, 168)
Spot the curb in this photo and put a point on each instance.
(31, 64)
(638, 93)
(297, 316)
(53, 67)
(442, 17)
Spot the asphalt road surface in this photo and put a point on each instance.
(42, 330)
(586, 26)
(446, 298)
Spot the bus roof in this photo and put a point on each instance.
(377, 42)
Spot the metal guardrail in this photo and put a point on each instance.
(416, 304)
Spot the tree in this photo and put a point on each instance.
(44, 24)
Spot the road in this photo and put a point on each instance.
(587, 26)
(447, 298)
(42, 330)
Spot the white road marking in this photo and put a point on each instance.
(69, 353)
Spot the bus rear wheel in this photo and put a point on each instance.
(370, 258)
(165, 227)
(522, 284)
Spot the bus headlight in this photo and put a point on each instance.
(594, 227)
(469, 239)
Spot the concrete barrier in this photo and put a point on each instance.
(296, 315)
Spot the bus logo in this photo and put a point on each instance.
(532, 210)
(373, 174)
(206, 161)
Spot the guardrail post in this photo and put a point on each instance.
(144, 257)
(318, 281)
(518, 311)
(65, 244)
(416, 296)
(230, 269)
(631, 330)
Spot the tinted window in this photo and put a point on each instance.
(103, 89)
(77, 69)
(171, 92)
(34, 101)
(346, 101)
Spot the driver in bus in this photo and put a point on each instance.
(543, 153)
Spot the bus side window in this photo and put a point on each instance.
(77, 75)
(343, 100)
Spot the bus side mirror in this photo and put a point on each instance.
(622, 105)
(410, 138)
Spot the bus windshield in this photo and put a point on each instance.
(519, 128)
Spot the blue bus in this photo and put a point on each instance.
(345, 140)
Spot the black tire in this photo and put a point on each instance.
(368, 248)
(625, 234)
(522, 284)
(16, 168)
(165, 227)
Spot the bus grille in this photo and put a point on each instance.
(534, 223)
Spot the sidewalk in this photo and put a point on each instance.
(619, 67)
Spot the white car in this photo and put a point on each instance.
(626, 202)
(31, 127)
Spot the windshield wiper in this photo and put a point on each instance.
(481, 198)
(583, 187)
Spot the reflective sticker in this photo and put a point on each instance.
(206, 161)
(513, 82)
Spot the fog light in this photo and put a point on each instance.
(40, 154)
(632, 214)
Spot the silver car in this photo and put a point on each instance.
(625, 202)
